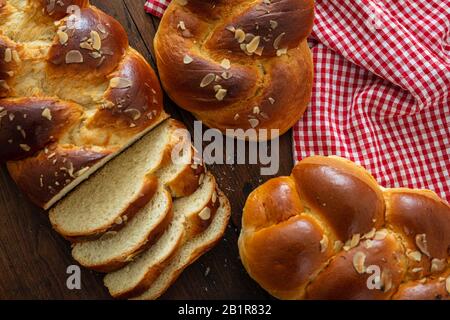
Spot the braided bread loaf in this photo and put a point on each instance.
(323, 233)
(238, 63)
(72, 94)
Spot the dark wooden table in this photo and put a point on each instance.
(34, 259)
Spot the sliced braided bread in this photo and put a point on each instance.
(73, 94)
(190, 251)
(117, 191)
(129, 235)
(330, 232)
(138, 276)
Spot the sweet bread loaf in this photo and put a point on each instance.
(190, 251)
(238, 64)
(124, 186)
(139, 275)
(329, 231)
(73, 94)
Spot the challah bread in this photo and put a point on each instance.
(323, 233)
(73, 94)
(122, 187)
(238, 64)
(129, 235)
(139, 274)
(190, 251)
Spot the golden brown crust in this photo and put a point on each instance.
(186, 182)
(81, 33)
(341, 280)
(200, 221)
(78, 87)
(59, 9)
(27, 125)
(350, 203)
(269, 80)
(58, 167)
(192, 256)
(315, 234)
(434, 288)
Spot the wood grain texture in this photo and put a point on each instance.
(34, 259)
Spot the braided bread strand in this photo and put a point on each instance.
(72, 94)
(329, 231)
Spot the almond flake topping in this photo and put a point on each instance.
(239, 35)
(338, 245)
(63, 37)
(187, 59)
(25, 147)
(253, 45)
(8, 55)
(226, 75)
(276, 42)
(414, 255)
(120, 83)
(181, 25)
(380, 235)
(324, 244)
(74, 56)
(281, 52)
(207, 80)
(422, 244)
(225, 64)
(359, 260)
(47, 114)
(96, 40)
(205, 214)
(273, 24)
(231, 29)
(437, 265)
(221, 93)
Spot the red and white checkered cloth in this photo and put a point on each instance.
(381, 94)
(156, 7)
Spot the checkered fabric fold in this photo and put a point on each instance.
(156, 7)
(381, 91)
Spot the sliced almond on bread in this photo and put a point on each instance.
(139, 274)
(190, 251)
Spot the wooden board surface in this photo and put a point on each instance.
(34, 259)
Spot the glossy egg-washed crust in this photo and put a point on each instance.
(70, 99)
(268, 88)
(329, 231)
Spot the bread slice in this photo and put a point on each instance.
(139, 274)
(126, 184)
(190, 251)
(114, 249)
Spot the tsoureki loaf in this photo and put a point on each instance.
(238, 64)
(73, 94)
(325, 232)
